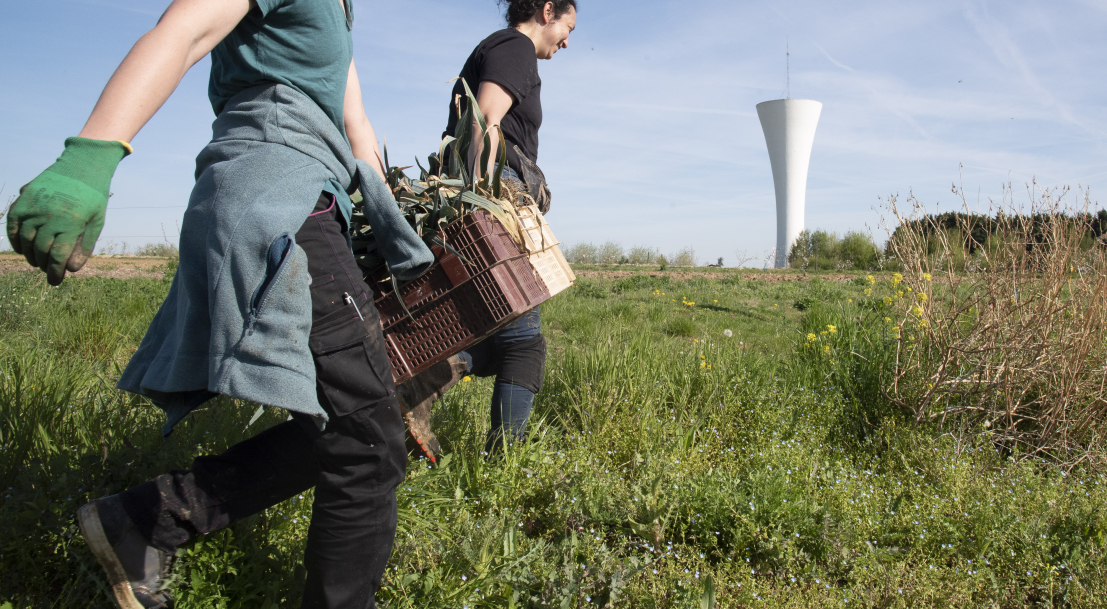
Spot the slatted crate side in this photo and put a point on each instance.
(448, 326)
(474, 238)
(463, 317)
(457, 304)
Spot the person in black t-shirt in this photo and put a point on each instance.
(503, 72)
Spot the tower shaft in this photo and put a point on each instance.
(789, 126)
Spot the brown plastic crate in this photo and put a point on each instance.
(457, 304)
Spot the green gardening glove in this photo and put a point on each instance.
(58, 216)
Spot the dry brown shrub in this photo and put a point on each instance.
(1014, 337)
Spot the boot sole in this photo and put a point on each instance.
(88, 520)
(422, 444)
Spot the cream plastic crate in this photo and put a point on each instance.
(545, 255)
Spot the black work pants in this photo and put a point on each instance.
(355, 463)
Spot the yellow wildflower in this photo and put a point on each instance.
(826, 349)
(888, 301)
(703, 364)
(812, 338)
(897, 279)
(917, 311)
(927, 277)
(832, 329)
(887, 320)
(466, 379)
(871, 280)
(921, 296)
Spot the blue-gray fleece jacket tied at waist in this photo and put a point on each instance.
(238, 315)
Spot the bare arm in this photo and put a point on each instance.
(494, 102)
(363, 139)
(154, 67)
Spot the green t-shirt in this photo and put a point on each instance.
(304, 44)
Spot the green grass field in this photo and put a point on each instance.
(670, 464)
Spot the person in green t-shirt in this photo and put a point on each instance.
(265, 225)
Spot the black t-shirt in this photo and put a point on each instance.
(508, 59)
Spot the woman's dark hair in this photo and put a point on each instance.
(522, 11)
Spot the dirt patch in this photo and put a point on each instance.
(764, 276)
(128, 267)
(111, 267)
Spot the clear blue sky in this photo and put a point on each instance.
(650, 134)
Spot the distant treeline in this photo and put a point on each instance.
(968, 235)
(972, 232)
(613, 253)
(157, 250)
(822, 251)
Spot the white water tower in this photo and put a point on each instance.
(789, 126)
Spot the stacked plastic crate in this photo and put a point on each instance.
(463, 299)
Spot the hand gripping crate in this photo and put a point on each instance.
(461, 301)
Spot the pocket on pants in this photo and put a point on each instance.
(351, 365)
(326, 295)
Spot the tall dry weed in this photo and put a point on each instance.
(1012, 335)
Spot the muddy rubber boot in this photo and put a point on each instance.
(417, 396)
(138, 573)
